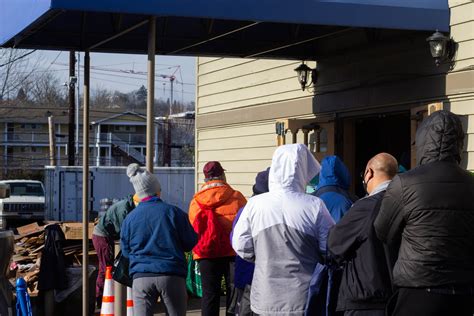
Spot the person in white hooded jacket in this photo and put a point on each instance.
(284, 232)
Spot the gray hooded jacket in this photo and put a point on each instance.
(284, 232)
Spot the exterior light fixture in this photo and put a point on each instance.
(303, 73)
(441, 47)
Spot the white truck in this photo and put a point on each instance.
(21, 202)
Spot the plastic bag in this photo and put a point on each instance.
(120, 271)
(193, 279)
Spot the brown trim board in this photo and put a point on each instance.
(256, 113)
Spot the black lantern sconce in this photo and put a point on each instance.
(441, 47)
(304, 73)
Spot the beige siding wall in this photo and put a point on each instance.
(462, 31)
(242, 150)
(229, 83)
(224, 84)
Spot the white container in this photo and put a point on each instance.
(63, 187)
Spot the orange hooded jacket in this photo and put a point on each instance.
(225, 202)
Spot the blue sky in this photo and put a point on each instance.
(113, 71)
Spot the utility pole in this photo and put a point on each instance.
(49, 294)
(167, 144)
(52, 142)
(171, 96)
(71, 154)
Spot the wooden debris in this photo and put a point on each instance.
(29, 229)
(29, 245)
(73, 231)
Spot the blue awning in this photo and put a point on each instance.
(243, 28)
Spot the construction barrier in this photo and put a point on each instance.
(129, 302)
(108, 299)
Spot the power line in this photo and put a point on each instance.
(18, 58)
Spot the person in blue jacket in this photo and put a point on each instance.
(333, 186)
(154, 237)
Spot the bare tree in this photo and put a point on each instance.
(102, 98)
(45, 89)
(15, 69)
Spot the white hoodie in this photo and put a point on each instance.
(284, 232)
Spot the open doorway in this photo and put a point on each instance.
(379, 133)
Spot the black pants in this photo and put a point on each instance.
(365, 312)
(420, 302)
(212, 271)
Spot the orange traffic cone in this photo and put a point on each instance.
(108, 298)
(129, 302)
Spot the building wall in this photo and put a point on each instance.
(462, 100)
(231, 87)
(238, 100)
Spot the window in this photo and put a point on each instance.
(126, 128)
(29, 126)
(319, 141)
(26, 189)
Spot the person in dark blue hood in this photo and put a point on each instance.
(243, 273)
(334, 181)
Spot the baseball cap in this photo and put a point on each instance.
(213, 169)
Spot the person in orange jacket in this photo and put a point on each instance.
(212, 212)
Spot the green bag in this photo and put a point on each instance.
(193, 279)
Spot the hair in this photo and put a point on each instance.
(221, 177)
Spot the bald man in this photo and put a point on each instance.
(365, 286)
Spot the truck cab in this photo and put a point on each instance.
(21, 202)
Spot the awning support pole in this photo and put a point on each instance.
(150, 102)
(85, 189)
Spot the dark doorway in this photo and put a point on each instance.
(382, 133)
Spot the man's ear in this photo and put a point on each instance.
(370, 173)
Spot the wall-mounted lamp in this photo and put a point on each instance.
(441, 47)
(304, 72)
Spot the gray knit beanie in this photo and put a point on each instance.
(144, 183)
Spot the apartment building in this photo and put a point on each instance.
(116, 138)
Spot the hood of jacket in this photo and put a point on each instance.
(334, 172)
(214, 193)
(293, 166)
(439, 138)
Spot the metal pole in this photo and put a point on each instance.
(78, 104)
(85, 189)
(72, 105)
(120, 293)
(151, 93)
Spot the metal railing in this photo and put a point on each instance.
(131, 138)
(126, 148)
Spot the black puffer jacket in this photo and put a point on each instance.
(429, 211)
(365, 281)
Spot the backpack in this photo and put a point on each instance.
(335, 189)
(213, 242)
